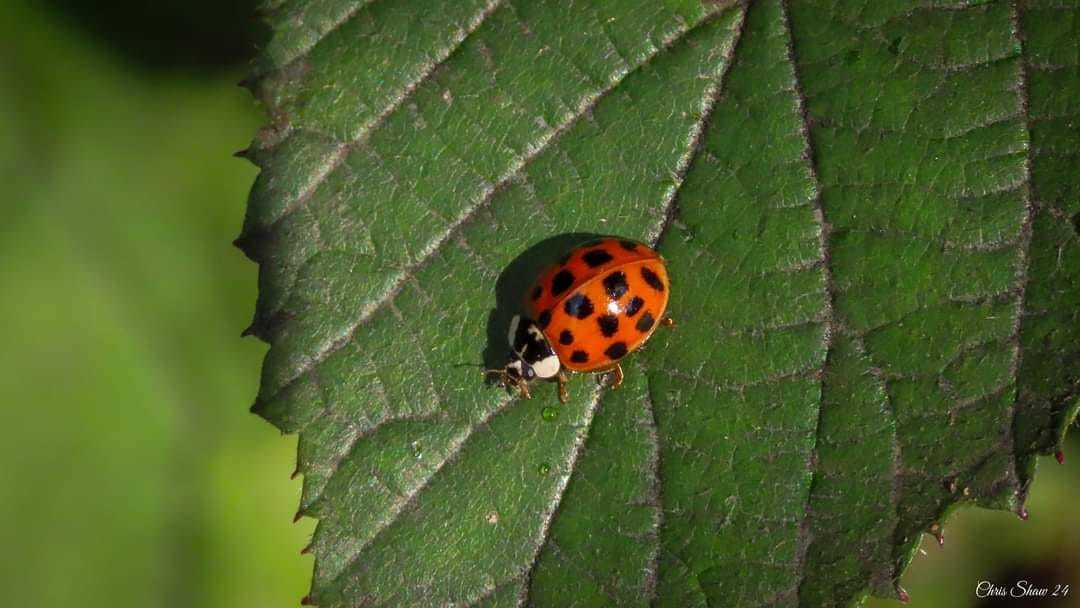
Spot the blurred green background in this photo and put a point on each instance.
(133, 474)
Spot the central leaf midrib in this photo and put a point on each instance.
(804, 537)
(1026, 229)
(564, 482)
(669, 209)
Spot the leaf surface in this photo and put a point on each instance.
(869, 216)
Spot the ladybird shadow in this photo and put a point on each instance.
(513, 284)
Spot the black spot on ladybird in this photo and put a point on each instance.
(609, 324)
(615, 284)
(616, 351)
(596, 257)
(578, 306)
(634, 306)
(579, 356)
(652, 279)
(544, 319)
(645, 323)
(536, 293)
(566, 337)
(561, 282)
(628, 245)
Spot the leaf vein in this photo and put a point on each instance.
(1024, 250)
(345, 17)
(832, 325)
(410, 495)
(560, 491)
(341, 152)
(697, 131)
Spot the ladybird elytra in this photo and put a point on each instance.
(601, 301)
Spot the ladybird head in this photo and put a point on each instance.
(517, 370)
(531, 356)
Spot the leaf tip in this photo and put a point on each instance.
(938, 532)
(298, 515)
(246, 244)
(307, 601)
(248, 331)
(306, 550)
(902, 595)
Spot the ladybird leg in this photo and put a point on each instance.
(617, 376)
(563, 394)
(501, 373)
(523, 386)
(667, 322)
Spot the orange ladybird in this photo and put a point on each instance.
(601, 302)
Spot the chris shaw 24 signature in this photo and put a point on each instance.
(1019, 589)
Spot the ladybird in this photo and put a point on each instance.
(601, 302)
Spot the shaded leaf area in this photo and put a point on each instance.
(868, 218)
(920, 147)
(1050, 326)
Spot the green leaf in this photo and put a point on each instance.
(869, 212)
